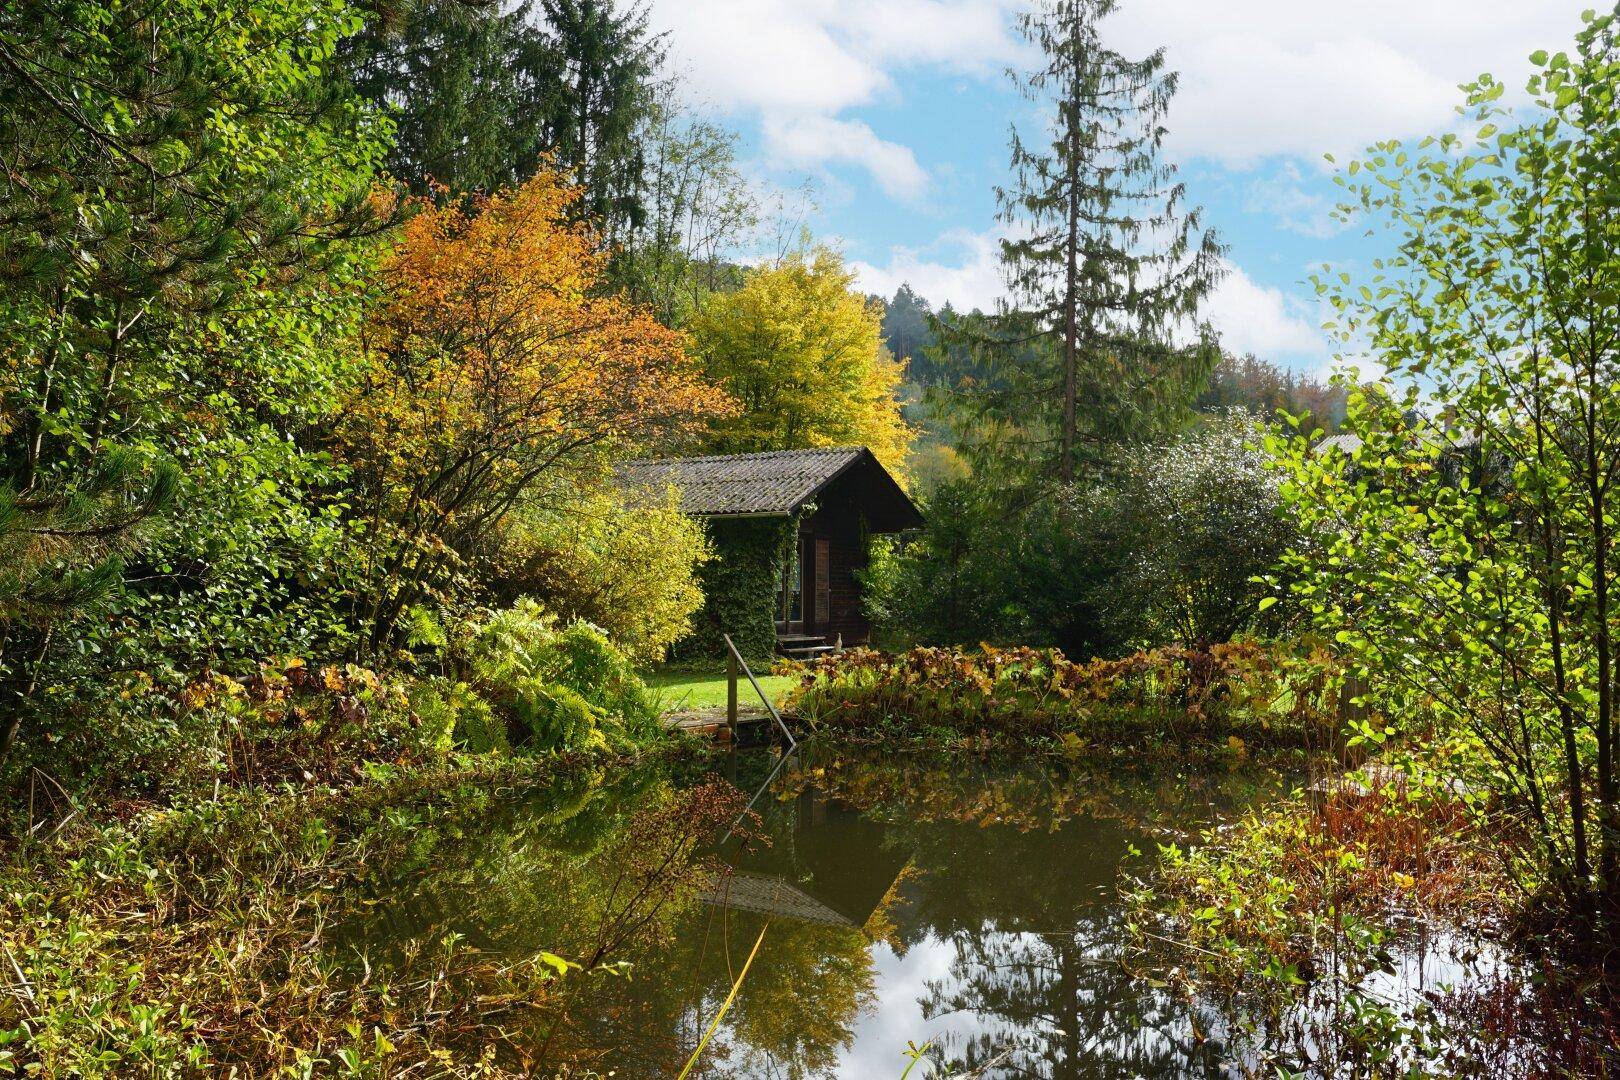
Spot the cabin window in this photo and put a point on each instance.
(790, 595)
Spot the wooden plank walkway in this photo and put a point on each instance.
(712, 721)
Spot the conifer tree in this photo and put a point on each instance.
(1106, 263)
(480, 90)
(472, 89)
(611, 60)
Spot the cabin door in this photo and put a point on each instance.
(821, 584)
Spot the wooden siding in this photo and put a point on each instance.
(837, 529)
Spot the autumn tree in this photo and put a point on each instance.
(1107, 263)
(494, 365)
(802, 352)
(1262, 388)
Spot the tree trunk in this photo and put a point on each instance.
(1071, 286)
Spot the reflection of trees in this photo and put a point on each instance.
(1018, 870)
(796, 1013)
(793, 1017)
(1038, 941)
(516, 876)
(596, 872)
(1015, 867)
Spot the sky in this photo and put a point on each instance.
(898, 113)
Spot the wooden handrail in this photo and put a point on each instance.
(733, 661)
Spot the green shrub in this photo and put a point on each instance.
(550, 716)
(584, 660)
(568, 688)
(628, 566)
(1164, 546)
(452, 714)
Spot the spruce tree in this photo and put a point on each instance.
(479, 92)
(472, 89)
(1106, 263)
(611, 60)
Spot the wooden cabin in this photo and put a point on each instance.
(790, 529)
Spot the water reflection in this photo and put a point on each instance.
(973, 905)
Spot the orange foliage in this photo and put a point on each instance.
(495, 363)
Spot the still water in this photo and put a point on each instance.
(973, 907)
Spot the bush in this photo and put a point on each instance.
(567, 688)
(1161, 549)
(629, 568)
(457, 716)
(1202, 519)
(546, 716)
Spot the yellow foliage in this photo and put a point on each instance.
(802, 352)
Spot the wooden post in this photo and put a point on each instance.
(731, 692)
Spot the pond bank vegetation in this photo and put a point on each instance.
(1317, 918)
(1229, 695)
(194, 940)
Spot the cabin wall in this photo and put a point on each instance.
(842, 526)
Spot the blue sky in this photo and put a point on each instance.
(898, 112)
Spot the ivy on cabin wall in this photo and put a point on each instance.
(739, 589)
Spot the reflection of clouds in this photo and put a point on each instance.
(897, 1016)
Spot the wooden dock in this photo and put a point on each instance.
(712, 722)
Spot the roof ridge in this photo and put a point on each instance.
(752, 454)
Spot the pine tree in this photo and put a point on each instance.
(610, 62)
(479, 92)
(1107, 264)
(473, 89)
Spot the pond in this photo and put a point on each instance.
(971, 906)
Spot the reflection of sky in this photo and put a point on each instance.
(880, 1034)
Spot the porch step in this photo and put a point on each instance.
(804, 646)
(807, 652)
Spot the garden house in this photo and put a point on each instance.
(790, 529)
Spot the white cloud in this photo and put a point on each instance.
(970, 36)
(1258, 77)
(812, 141)
(1263, 320)
(767, 55)
(961, 267)
(797, 64)
(1264, 77)
(1284, 197)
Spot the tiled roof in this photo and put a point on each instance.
(1344, 442)
(774, 482)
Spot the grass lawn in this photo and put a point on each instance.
(701, 689)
